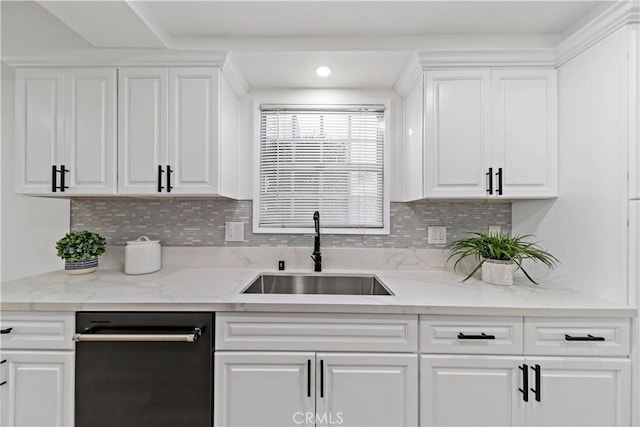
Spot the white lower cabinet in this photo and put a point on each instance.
(580, 392)
(315, 389)
(37, 388)
(530, 371)
(367, 389)
(471, 390)
(36, 369)
(263, 388)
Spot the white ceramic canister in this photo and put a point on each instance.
(142, 256)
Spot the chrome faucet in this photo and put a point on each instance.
(317, 256)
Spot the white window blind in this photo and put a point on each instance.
(327, 159)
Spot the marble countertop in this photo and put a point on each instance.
(215, 289)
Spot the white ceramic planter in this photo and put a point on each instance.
(81, 267)
(498, 272)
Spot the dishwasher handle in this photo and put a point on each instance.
(90, 335)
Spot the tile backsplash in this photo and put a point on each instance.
(200, 222)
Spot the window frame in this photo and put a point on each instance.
(386, 216)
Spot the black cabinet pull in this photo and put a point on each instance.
(169, 186)
(490, 179)
(589, 337)
(322, 378)
(525, 382)
(482, 336)
(160, 172)
(3, 361)
(6, 331)
(309, 378)
(63, 171)
(3, 383)
(54, 178)
(537, 390)
(499, 175)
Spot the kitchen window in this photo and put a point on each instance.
(329, 159)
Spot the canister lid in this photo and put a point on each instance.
(142, 240)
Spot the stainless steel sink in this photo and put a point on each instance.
(301, 284)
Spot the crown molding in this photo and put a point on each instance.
(232, 72)
(121, 57)
(618, 15)
(474, 58)
(409, 75)
(470, 58)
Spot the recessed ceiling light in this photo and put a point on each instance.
(323, 71)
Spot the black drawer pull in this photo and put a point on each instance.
(322, 378)
(589, 337)
(169, 172)
(160, 172)
(490, 181)
(3, 361)
(482, 336)
(3, 383)
(54, 178)
(63, 171)
(6, 331)
(525, 382)
(537, 390)
(308, 377)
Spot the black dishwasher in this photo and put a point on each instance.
(144, 369)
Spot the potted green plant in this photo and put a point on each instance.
(499, 256)
(80, 251)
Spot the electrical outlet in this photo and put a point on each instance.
(234, 231)
(437, 235)
(494, 229)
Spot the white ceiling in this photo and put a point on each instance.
(364, 18)
(297, 69)
(279, 43)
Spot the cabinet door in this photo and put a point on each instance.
(263, 389)
(142, 129)
(413, 173)
(456, 133)
(580, 392)
(193, 130)
(38, 389)
(471, 391)
(39, 128)
(525, 132)
(361, 389)
(90, 116)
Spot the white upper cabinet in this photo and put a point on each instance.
(456, 133)
(413, 143)
(90, 131)
(193, 129)
(142, 155)
(65, 131)
(171, 138)
(524, 134)
(132, 131)
(39, 128)
(488, 133)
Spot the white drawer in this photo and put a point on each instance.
(316, 332)
(37, 330)
(577, 336)
(464, 334)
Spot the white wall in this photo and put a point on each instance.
(29, 226)
(586, 227)
(247, 135)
